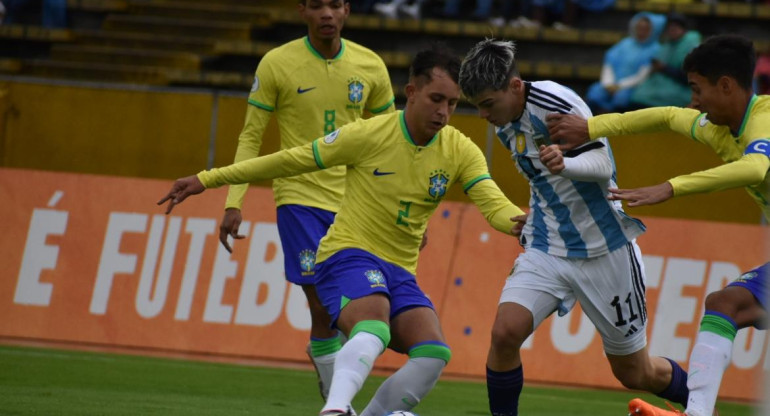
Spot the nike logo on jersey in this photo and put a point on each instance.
(378, 173)
(301, 91)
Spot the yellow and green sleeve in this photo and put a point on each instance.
(493, 204)
(746, 171)
(249, 143)
(680, 120)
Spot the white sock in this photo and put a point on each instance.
(325, 366)
(708, 361)
(406, 387)
(351, 367)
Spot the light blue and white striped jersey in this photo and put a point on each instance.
(567, 218)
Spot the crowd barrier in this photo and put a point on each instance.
(92, 260)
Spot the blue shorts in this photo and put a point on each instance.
(300, 229)
(354, 273)
(756, 282)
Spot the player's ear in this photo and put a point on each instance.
(410, 90)
(515, 84)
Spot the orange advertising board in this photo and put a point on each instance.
(92, 260)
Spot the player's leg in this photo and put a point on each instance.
(531, 293)
(352, 287)
(299, 245)
(611, 290)
(737, 306)
(416, 331)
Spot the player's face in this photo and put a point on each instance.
(324, 18)
(500, 107)
(432, 102)
(708, 98)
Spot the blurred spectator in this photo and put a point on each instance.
(626, 64)
(363, 6)
(53, 13)
(394, 7)
(564, 13)
(667, 83)
(762, 74)
(2, 12)
(516, 13)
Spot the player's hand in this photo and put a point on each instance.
(648, 195)
(181, 189)
(552, 158)
(424, 241)
(519, 220)
(568, 130)
(229, 227)
(612, 89)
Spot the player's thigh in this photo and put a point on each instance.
(300, 229)
(536, 284)
(352, 287)
(414, 326)
(744, 299)
(611, 291)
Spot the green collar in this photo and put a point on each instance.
(746, 115)
(318, 55)
(407, 135)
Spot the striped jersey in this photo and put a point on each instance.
(567, 218)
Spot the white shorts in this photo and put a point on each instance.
(610, 289)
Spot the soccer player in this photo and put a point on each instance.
(578, 245)
(313, 85)
(728, 117)
(399, 167)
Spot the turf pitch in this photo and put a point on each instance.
(43, 381)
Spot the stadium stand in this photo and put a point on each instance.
(218, 44)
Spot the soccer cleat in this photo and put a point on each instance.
(337, 412)
(638, 407)
(324, 391)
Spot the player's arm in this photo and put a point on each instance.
(570, 130)
(497, 209)
(381, 99)
(746, 171)
(261, 104)
(588, 163)
(249, 143)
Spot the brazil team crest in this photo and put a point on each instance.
(747, 276)
(355, 90)
(307, 261)
(376, 279)
(438, 182)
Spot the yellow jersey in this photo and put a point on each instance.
(310, 96)
(392, 185)
(747, 151)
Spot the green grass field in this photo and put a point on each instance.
(35, 381)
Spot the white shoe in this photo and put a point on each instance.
(411, 10)
(388, 10)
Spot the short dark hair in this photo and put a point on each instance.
(437, 56)
(723, 55)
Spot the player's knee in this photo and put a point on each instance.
(507, 336)
(377, 328)
(432, 349)
(634, 380)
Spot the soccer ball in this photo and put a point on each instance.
(401, 413)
